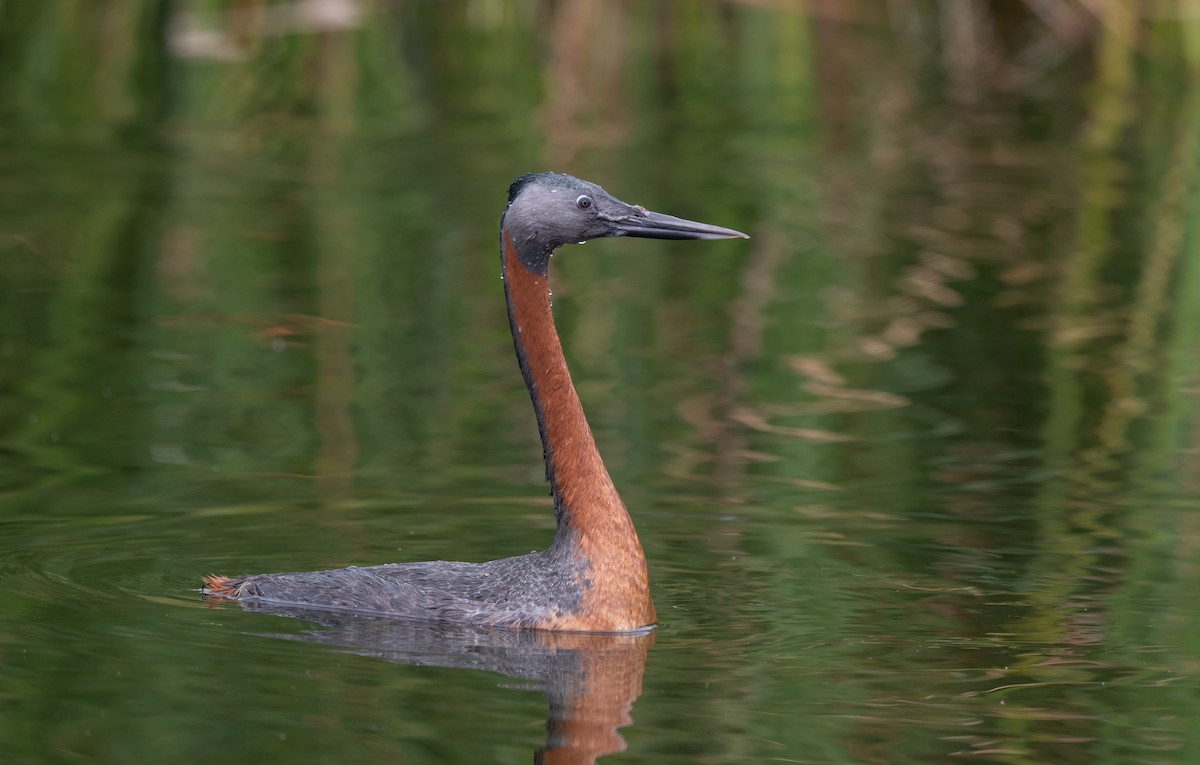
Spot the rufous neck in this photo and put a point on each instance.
(593, 524)
(579, 481)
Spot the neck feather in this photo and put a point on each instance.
(579, 482)
(593, 524)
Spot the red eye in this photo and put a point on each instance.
(584, 202)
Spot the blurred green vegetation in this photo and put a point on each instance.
(927, 443)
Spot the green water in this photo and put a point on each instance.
(916, 467)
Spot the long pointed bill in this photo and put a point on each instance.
(652, 225)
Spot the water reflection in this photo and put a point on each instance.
(590, 680)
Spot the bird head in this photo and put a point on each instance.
(547, 210)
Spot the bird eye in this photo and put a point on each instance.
(584, 202)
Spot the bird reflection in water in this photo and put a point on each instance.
(590, 680)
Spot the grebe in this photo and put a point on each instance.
(593, 576)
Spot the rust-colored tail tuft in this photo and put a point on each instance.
(222, 586)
